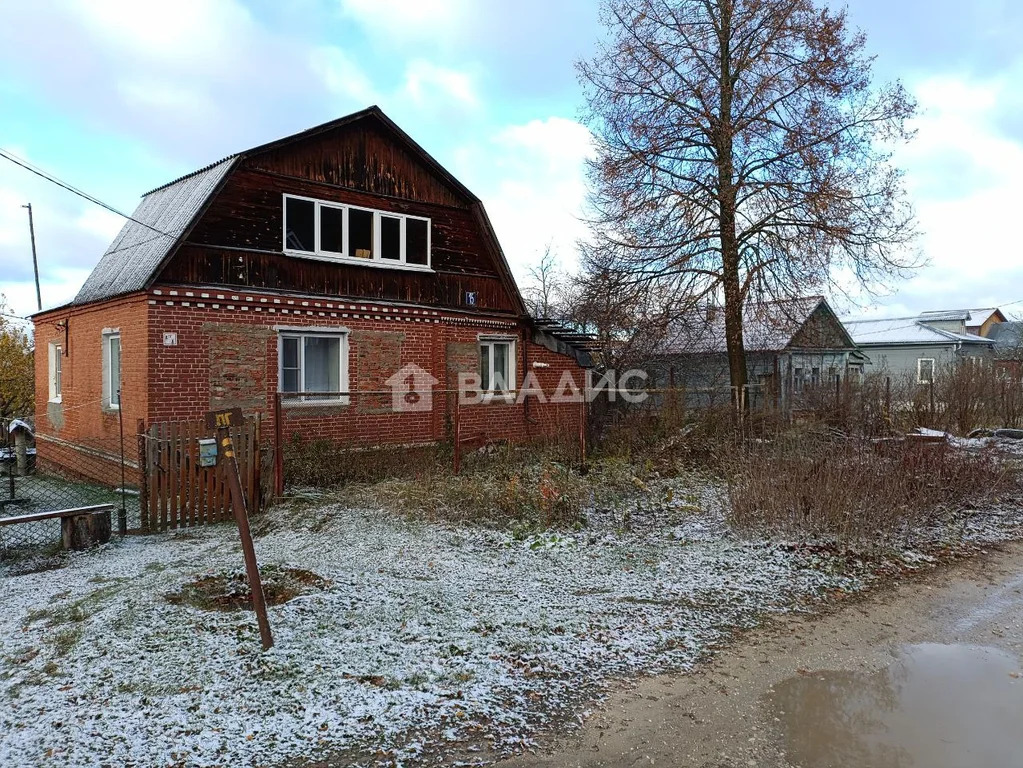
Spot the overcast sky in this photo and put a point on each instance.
(119, 96)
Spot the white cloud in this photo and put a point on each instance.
(432, 86)
(341, 75)
(531, 177)
(399, 21)
(966, 179)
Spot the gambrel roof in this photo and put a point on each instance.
(166, 215)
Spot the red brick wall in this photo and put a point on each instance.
(81, 419)
(226, 345)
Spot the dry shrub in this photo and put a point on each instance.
(859, 490)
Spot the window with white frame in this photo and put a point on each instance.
(311, 363)
(112, 369)
(497, 364)
(354, 234)
(925, 370)
(56, 371)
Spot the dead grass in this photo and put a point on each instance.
(229, 591)
(860, 490)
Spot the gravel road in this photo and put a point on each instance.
(920, 674)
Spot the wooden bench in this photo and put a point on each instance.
(80, 528)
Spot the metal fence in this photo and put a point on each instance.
(42, 473)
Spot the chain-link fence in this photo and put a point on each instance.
(42, 473)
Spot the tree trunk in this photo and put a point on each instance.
(730, 279)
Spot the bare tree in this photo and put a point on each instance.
(743, 153)
(543, 294)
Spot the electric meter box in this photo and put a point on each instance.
(208, 452)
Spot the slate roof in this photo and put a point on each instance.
(905, 330)
(767, 327)
(146, 239)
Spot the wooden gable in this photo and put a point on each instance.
(237, 240)
(822, 330)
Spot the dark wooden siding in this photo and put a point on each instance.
(238, 240)
(363, 156)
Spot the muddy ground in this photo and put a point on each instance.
(926, 673)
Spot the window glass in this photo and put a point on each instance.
(332, 229)
(390, 238)
(416, 241)
(289, 364)
(360, 234)
(500, 367)
(115, 370)
(322, 364)
(926, 370)
(58, 363)
(485, 367)
(299, 225)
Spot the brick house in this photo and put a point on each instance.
(324, 262)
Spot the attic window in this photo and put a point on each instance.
(318, 229)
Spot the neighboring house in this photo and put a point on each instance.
(322, 262)
(792, 347)
(917, 347)
(977, 322)
(1008, 348)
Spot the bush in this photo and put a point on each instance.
(856, 489)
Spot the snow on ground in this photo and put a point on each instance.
(429, 638)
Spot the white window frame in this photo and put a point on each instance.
(56, 372)
(919, 371)
(375, 259)
(489, 341)
(109, 390)
(301, 334)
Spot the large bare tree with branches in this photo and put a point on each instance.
(744, 153)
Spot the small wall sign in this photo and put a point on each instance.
(470, 298)
(170, 339)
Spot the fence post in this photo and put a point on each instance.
(888, 400)
(458, 436)
(582, 431)
(278, 448)
(930, 386)
(140, 431)
(122, 513)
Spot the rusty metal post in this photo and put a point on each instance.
(278, 447)
(248, 550)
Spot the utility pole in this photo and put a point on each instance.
(35, 261)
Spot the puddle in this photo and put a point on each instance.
(935, 706)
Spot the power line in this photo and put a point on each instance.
(74, 190)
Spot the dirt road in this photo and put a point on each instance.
(926, 674)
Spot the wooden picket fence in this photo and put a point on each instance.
(178, 493)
